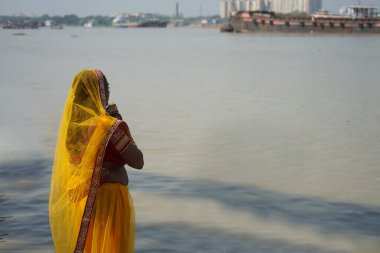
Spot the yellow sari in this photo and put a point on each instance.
(86, 216)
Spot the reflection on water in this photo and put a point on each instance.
(2, 219)
(185, 238)
(328, 216)
(25, 227)
(26, 185)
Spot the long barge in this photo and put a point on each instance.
(362, 20)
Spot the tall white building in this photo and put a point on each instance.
(287, 6)
(229, 6)
(248, 5)
(280, 6)
(223, 9)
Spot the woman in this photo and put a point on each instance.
(90, 208)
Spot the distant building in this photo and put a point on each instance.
(88, 24)
(287, 6)
(223, 11)
(177, 10)
(361, 11)
(231, 6)
(48, 23)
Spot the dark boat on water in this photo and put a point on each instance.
(122, 22)
(227, 28)
(153, 23)
(359, 19)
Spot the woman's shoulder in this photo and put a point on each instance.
(121, 124)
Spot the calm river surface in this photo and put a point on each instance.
(252, 143)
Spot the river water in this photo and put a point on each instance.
(252, 143)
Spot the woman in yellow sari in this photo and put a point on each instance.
(90, 208)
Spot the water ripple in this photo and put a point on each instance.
(185, 238)
(3, 218)
(328, 216)
(24, 211)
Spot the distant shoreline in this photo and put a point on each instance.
(23, 21)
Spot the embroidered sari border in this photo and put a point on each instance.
(100, 76)
(95, 181)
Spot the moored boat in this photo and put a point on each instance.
(226, 28)
(153, 23)
(362, 19)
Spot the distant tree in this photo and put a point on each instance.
(102, 21)
(72, 20)
(214, 17)
(58, 20)
(44, 17)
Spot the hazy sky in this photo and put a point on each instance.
(104, 7)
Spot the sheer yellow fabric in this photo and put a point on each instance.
(84, 128)
(112, 226)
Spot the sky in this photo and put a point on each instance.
(106, 7)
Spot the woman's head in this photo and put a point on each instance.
(91, 85)
(88, 100)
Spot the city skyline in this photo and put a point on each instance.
(106, 7)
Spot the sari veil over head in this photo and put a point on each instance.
(82, 139)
